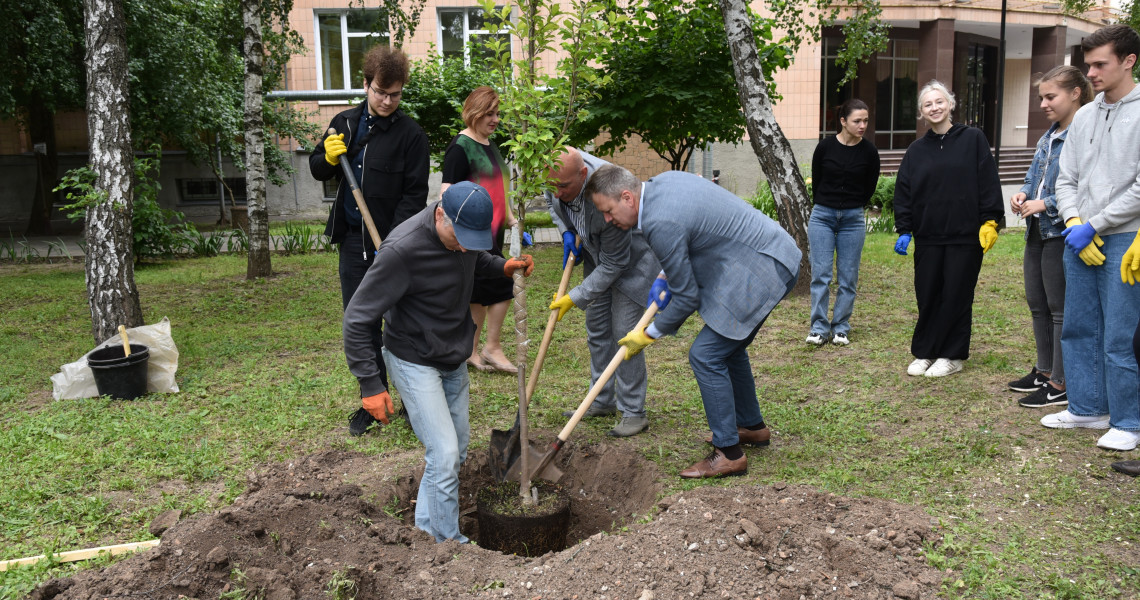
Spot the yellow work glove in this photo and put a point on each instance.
(334, 147)
(1130, 263)
(562, 305)
(634, 342)
(987, 235)
(1090, 254)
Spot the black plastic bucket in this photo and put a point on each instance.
(120, 376)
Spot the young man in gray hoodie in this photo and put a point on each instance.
(1098, 195)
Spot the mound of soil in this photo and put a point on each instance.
(332, 526)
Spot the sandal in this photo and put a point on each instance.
(495, 365)
(478, 366)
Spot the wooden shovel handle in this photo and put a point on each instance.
(360, 203)
(549, 333)
(605, 377)
(126, 342)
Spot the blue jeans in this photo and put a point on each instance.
(437, 403)
(728, 389)
(1100, 316)
(834, 234)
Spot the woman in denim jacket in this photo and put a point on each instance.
(1062, 91)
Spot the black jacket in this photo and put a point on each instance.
(422, 290)
(947, 187)
(395, 178)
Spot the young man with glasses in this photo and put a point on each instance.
(388, 153)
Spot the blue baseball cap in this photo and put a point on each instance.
(469, 207)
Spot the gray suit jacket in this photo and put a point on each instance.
(722, 256)
(611, 257)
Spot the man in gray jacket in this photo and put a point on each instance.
(725, 258)
(619, 270)
(1098, 195)
(420, 283)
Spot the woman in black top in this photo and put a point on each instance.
(949, 197)
(845, 171)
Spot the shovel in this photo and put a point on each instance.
(543, 464)
(505, 447)
(365, 214)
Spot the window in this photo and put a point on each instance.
(463, 30)
(329, 187)
(343, 38)
(831, 94)
(208, 191)
(896, 76)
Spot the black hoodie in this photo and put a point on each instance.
(947, 187)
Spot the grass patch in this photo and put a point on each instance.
(1027, 512)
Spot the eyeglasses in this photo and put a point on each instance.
(394, 96)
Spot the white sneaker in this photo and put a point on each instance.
(919, 366)
(1117, 439)
(943, 367)
(1067, 420)
(840, 339)
(815, 339)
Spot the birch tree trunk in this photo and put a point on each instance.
(110, 260)
(258, 264)
(768, 142)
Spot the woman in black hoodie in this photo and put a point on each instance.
(948, 197)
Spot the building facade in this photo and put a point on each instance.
(955, 41)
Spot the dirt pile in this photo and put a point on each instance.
(331, 526)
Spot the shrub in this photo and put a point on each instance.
(157, 232)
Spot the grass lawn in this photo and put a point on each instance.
(1027, 512)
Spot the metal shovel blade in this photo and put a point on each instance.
(550, 473)
(503, 452)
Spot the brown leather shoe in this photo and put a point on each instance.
(760, 437)
(717, 465)
(1128, 467)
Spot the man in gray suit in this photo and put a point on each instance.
(725, 258)
(619, 269)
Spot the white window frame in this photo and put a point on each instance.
(467, 31)
(345, 34)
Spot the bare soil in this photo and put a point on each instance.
(337, 518)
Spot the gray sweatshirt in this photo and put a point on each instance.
(422, 290)
(1099, 176)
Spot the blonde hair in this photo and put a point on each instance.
(481, 102)
(935, 86)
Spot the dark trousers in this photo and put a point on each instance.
(1044, 270)
(353, 265)
(944, 281)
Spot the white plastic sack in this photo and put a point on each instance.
(75, 380)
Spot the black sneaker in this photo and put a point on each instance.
(1030, 383)
(360, 421)
(1045, 395)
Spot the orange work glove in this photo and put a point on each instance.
(523, 262)
(379, 406)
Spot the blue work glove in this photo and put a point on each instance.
(569, 248)
(902, 244)
(660, 285)
(1078, 235)
(527, 240)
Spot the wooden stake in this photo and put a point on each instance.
(74, 555)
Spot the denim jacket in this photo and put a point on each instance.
(1050, 222)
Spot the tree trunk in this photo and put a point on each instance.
(41, 130)
(768, 142)
(110, 260)
(258, 264)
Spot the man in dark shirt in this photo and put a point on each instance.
(421, 282)
(388, 153)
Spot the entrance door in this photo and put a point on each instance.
(976, 88)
